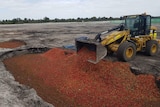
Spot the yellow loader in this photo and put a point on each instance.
(135, 35)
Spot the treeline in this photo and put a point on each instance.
(46, 19)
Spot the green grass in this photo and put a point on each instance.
(153, 21)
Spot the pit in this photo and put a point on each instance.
(63, 78)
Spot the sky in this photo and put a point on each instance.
(38, 9)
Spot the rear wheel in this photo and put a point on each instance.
(126, 51)
(151, 47)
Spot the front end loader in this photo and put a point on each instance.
(136, 34)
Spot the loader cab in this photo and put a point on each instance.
(138, 24)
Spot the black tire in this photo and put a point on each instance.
(126, 51)
(151, 48)
(109, 52)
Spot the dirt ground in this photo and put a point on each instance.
(55, 35)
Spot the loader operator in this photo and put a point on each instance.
(120, 27)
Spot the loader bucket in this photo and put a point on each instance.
(92, 46)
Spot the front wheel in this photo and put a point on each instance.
(126, 51)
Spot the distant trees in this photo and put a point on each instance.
(46, 19)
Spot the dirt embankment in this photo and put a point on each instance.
(12, 93)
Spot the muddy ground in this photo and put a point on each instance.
(52, 35)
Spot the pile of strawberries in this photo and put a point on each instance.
(11, 44)
(65, 78)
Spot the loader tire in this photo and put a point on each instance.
(126, 51)
(151, 47)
